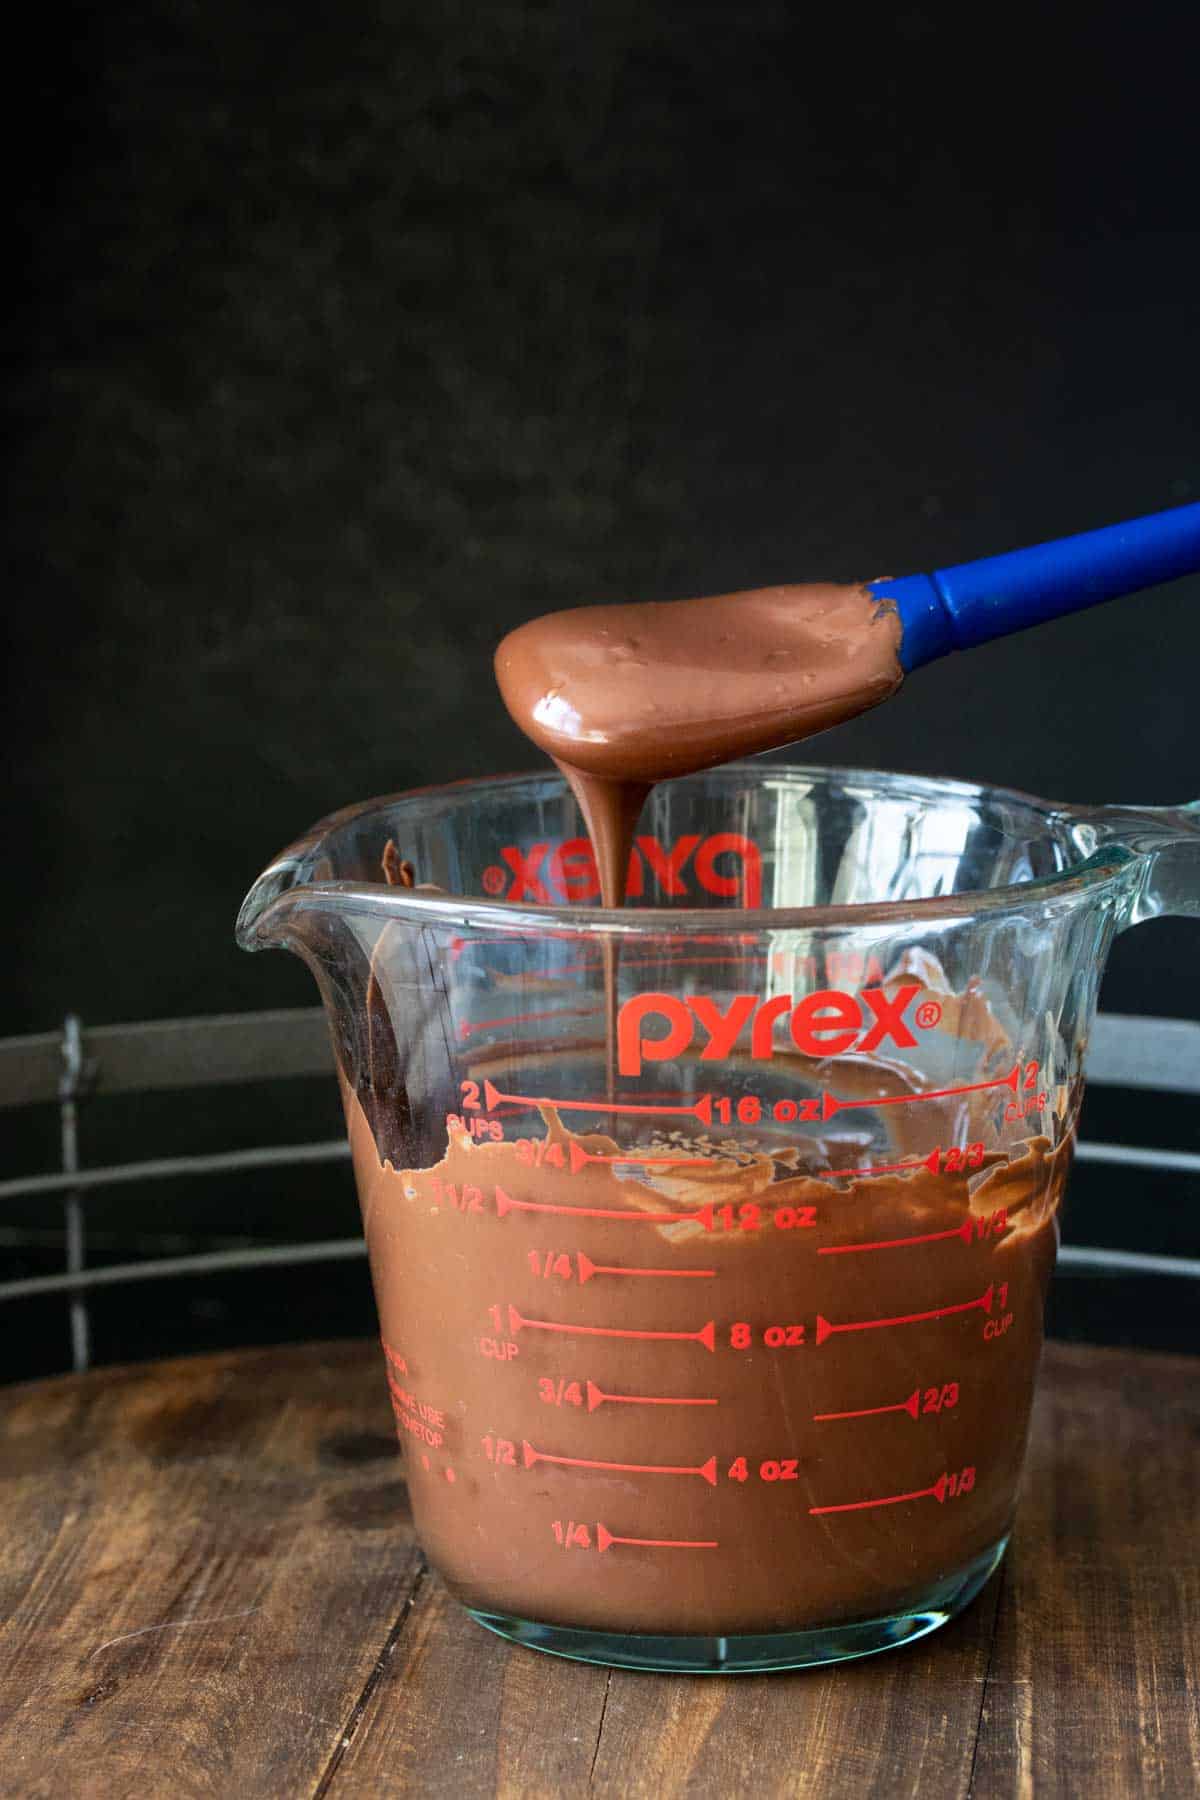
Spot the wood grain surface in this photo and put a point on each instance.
(210, 1586)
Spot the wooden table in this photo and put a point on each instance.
(210, 1586)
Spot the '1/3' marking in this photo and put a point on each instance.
(946, 1487)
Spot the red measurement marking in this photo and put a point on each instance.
(505, 1203)
(595, 964)
(700, 1109)
(605, 1539)
(831, 1104)
(587, 1268)
(468, 1026)
(936, 1492)
(581, 1157)
(631, 1214)
(597, 1397)
(706, 1335)
(965, 1231)
(983, 1304)
(932, 1162)
(707, 1471)
(911, 1406)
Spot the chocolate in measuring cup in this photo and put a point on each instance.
(730, 1368)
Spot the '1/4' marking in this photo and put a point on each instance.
(570, 1536)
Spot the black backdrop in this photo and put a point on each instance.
(349, 337)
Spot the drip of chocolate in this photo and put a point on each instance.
(382, 1083)
(626, 696)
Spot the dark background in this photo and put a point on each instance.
(343, 339)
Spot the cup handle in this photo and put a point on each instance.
(1164, 842)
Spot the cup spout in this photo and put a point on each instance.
(269, 907)
(1163, 843)
(281, 908)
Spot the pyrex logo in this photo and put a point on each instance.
(827, 1023)
(725, 863)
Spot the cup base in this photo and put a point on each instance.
(759, 1652)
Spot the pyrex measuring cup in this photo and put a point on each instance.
(713, 1346)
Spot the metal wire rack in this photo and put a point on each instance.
(72, 1067)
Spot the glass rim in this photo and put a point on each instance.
(1107, 863)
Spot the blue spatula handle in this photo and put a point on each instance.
(957, 608)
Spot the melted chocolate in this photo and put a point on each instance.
(771, 1434)
(625, 696)
(807, 1468)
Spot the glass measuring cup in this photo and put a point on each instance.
(710, 1238)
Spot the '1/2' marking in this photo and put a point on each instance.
(707, 1471)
